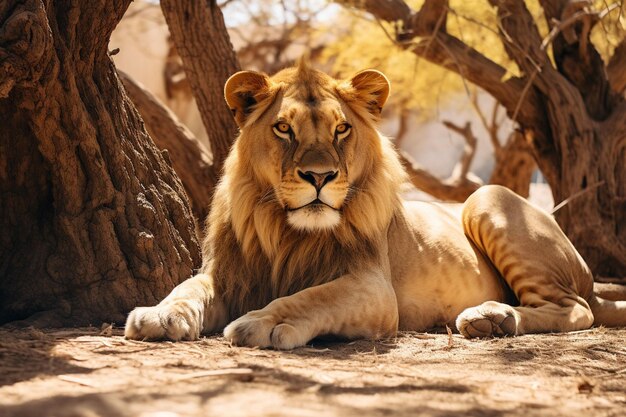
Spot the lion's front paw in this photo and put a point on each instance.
(488, 320)
(262, 329)
(171, 321)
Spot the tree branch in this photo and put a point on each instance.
(441, 189)
(492, 127)
(522, 41)
(616, 69)
(447, 51)
(430, 19)
(574, 54)
(403, 125)
(458, 186)
(462, 168)
(387, 10)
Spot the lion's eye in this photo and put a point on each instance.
(282, 130)
(342, 130)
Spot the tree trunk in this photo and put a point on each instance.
(190, 159)
(93, 219)
(514, 165)
(592, 181)
(201, 39)
(586, 130)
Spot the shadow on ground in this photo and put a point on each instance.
(80, 373)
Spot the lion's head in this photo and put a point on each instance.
(311, 145)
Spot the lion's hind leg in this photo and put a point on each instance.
(496, 319)
(535, 258)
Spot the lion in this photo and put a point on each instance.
(308, 236)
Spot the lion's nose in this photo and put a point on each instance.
(318, 179)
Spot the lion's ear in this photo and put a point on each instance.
(243, 91)
(372, 89)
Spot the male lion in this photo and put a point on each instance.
(308, 236)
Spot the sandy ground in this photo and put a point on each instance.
(81, 372)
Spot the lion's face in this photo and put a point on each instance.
(312, 136)
(309, 138)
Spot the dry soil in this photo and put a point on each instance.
(92, 372)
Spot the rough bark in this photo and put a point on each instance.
(189, 157)
(514, 164)
(576, 121)
(93, 219)
(201, 39)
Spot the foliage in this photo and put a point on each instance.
(366, 42)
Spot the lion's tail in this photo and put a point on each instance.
(608, 305)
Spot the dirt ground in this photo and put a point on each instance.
(81, 372)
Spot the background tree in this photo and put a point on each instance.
(275, 34)
(561, 97)
(199, 35)
(514, 164)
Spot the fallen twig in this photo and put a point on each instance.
(216, 372)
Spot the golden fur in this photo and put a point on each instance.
(308, 236)
(275, 259)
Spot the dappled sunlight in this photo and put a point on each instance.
(428, 374)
